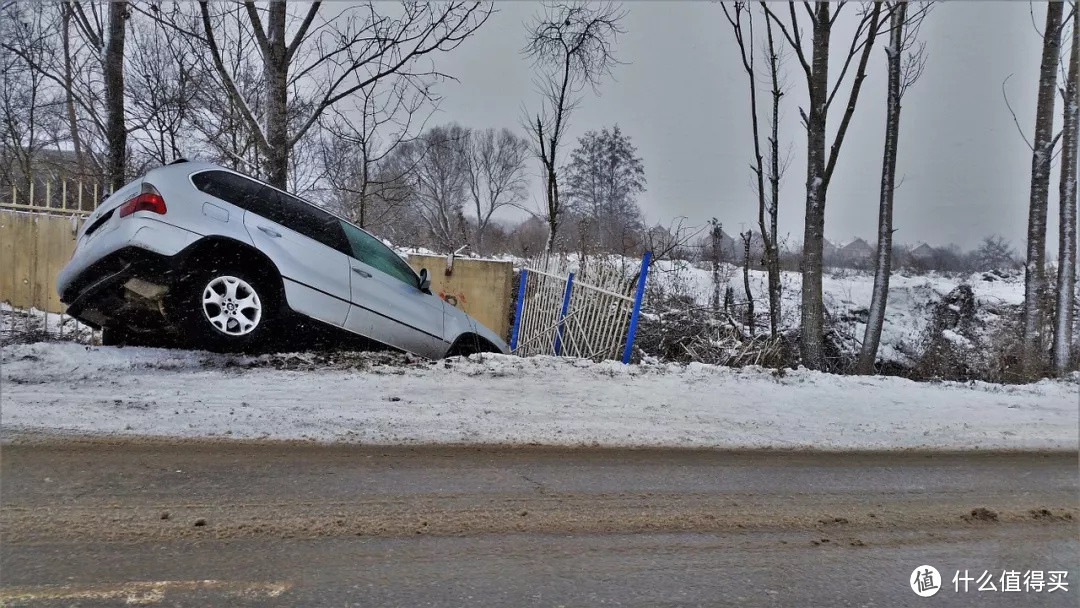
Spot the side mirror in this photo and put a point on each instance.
(425, 280)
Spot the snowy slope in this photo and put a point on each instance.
(373, 399)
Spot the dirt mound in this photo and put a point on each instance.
(980, 514)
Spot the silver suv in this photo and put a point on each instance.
(225, 262)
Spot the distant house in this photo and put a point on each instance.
(828, 250)
(857, 251)
(923, 253)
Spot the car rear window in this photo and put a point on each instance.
(229, 187)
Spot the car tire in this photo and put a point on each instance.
(227, 309)
(470, 344)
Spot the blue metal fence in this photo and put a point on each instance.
(591, 312)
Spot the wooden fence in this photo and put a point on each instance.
(37, 237)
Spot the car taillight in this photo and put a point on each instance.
(147, 200)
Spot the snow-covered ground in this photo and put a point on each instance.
(21, 325)
(847, 295)
(65, 388)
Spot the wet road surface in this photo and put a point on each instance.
(97, 523)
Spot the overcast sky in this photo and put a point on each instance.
(681, 95)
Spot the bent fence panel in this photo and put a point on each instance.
(589, 313)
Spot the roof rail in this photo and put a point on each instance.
(178, 161)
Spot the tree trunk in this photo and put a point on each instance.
(716, 236)
(1066, 278)
(872, 336)
(1034, 271)
(746, 281)
(365, 173)
(553, 205)
(772, 249)
(69, 96)
(812, 340)
(115, 129)
(276, 70)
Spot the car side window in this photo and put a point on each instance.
(302, 217)
(275, 206)
(372, 252)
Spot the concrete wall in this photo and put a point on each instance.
(482, 288)
(33, 249)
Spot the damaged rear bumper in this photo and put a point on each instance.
(124, 285)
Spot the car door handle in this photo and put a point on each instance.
(363, 273)
(270, 231)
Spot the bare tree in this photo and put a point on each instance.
(746, 238)
(359, 140)
(1043, 144)
(90, 53)
(1066, 276)
(820, 163)
(164, 76)
(495, 165)
(104, 41)
(571, 44)
(66, 80)
(24, 97)
(770, 234)
(115, 128)
(219, 119)
(437, 182)
(767, 200)
(716, 234)
(994, 253)
(903, 71)
(311, 64)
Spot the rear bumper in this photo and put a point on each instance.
(139, 231)
(97, 293)
(136, 247)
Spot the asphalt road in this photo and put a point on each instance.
(205, 524)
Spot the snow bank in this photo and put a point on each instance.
(380, 399)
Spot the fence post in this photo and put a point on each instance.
(632, 330)
(517, 308)
(562, 313)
